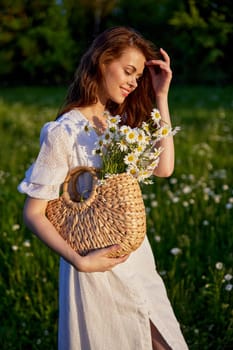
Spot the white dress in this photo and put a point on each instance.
(99, 311)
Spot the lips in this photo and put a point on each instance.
(125, 92)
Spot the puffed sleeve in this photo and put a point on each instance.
(44, 178)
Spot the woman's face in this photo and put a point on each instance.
(120, 77)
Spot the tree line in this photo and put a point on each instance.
(42, 41)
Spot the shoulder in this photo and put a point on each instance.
(65, 128)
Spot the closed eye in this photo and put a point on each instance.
(130, 73)
(127, 72)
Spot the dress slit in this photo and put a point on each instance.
(158, 342)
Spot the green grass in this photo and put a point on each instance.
(191, 211)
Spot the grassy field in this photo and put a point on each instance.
(189, 215)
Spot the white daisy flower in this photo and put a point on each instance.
(157, 151)
(87, 128)
(107, 138)
(131, 136)
(99, 144)
(97, 151)
(124, 129)
(130, 158)
(145, 127)
(164, 131)
(122, 144)
(133, 170)
(139, 149)
(175, 130)
(113, 121)
(156, 117)
(144, 174)
(154, 164)
(141, 137)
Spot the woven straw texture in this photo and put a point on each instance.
(114, 213)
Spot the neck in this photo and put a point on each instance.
(96, 117)
(96, 110)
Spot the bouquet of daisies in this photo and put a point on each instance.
(132, 150)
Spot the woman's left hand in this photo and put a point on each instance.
(161, 80)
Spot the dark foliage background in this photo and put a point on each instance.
(42, 41)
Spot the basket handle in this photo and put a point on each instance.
(71, 179)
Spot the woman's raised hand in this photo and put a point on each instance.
(160, 80)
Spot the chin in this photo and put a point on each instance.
(118, 100)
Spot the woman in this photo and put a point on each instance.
(126, 307)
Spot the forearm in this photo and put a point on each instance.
(38, 223)
(166, 164)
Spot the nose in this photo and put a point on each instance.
(133, 82)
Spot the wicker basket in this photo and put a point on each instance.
(114, 213)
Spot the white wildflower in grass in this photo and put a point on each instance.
(205, 223)
(157, 238)
(14, 248)
(217, 198)
(175, 251)
(228, 287)
(191, 201)
(187, 189)
(15, 227)
(229, 206)
(27, 244)
(154, 204)
(163, 273)
(175, 199)
(173, 181)
(219, 265)
(131, 150)
(228, 277)
(152, 195)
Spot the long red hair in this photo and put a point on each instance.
(107, 47)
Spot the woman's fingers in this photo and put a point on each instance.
(155, 61)
(165, 56)
(163, 64)
(99, 260)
